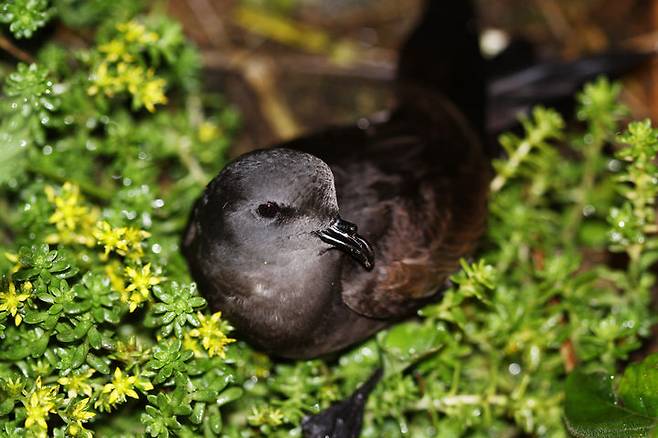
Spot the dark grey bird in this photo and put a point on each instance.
(316, 244)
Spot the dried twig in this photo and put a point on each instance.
(568, 353)
(381, 69)
(14, 51)
(555, 18)
(646, 42)
(211, 23)
(260, 74)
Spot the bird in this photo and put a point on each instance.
(315, 244)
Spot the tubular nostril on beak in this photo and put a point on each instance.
(345, 226)
(343, 235)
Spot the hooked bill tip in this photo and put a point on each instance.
(343, 235)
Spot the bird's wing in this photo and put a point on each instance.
(421, 247)
(416, 185)
(427, 207)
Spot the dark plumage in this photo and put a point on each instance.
(267, 247)
(267, 244)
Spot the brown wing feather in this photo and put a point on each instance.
(427, 234)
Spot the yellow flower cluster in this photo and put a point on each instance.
(122, 385)
(73, 220)
(192, 344)
(39, 403)
(125, 241)
(208, 132)
(140, 282)
(265, 415)
(11, 302)
(211, 332)
(78, 415)
(120, 71)
(151, 92)
(77, 384)
(77, 223)
(135, 32)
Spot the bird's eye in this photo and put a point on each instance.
(268, 210)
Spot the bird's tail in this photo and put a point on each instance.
(442, 54)
(551, 84)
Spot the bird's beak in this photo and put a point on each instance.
(343, 235)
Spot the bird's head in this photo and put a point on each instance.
(264, 234)
(270, 201)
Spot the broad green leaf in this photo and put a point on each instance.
(593, 411)
(638, 387)
(406, 343)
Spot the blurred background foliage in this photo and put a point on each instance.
(110, 127)
(297, 65)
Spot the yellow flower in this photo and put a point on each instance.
(133, 238)
(80, 415)
(207, 132)
(104, 79)
(11, 302)
(211, 331)
(39, 403)
(140, 281)
(191, 344)
(265, 415)
(120, 387)
(76, 384)
(131, 77)
(134, 31)
(115, 50)
(151, 92)
(73, 220)
(125, 241)
(111, 238)
(80, 412)
(68, 211)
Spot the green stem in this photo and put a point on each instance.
(191, 164)
(5, 223)
(590, 170)
(461, 400)
(511, 165)
(634, 269)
